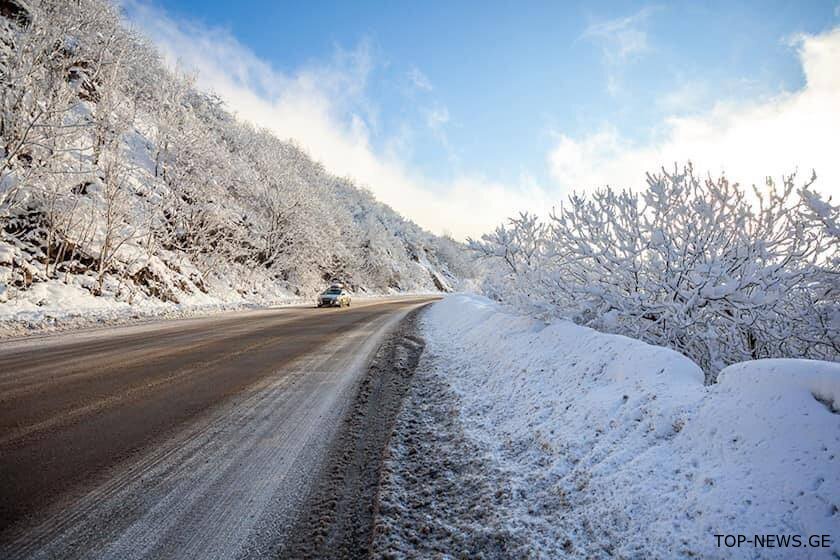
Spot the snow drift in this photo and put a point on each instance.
(615, 448)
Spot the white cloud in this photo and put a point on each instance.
(621, 40)
(324, 109)
(436, 118)
(689, 94)
(419, 80)
(797, 130)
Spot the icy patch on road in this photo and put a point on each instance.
(602, 446)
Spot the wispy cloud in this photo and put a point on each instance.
(746, 140)
(419, 80)
(437, 119)
(621, 41)
(324, 107)
(687, 96)
(621, 38)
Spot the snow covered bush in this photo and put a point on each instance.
(703, 266)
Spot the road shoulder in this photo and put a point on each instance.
(439, 495)
(337, 519)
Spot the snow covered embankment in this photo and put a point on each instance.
(613, 447)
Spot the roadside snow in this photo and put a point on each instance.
(439, 495)
(614, 448)
(69, 302)
(54, 305)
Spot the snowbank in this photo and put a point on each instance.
(615, 447)
(55, 306)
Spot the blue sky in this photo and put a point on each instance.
(451, 96)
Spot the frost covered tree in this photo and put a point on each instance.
(119, 177)
(38, 100)
(704, 266)
(112, 206)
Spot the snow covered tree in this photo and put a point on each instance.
(117, 172)
(701, 265)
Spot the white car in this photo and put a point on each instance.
(334, 296)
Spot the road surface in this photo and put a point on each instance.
(193, 438)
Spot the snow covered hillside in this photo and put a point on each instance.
(603, 446)
(122, 186)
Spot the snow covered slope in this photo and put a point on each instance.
(611, 447)
(121, 185)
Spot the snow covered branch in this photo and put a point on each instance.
(702, 265)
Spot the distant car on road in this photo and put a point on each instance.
(334, 296)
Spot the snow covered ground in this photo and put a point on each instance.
(54, 305)
(604, 446)
(22, 320)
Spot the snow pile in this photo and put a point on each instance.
(612, 447)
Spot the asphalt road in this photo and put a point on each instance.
(193, 438)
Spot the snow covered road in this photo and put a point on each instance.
(194, 438)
